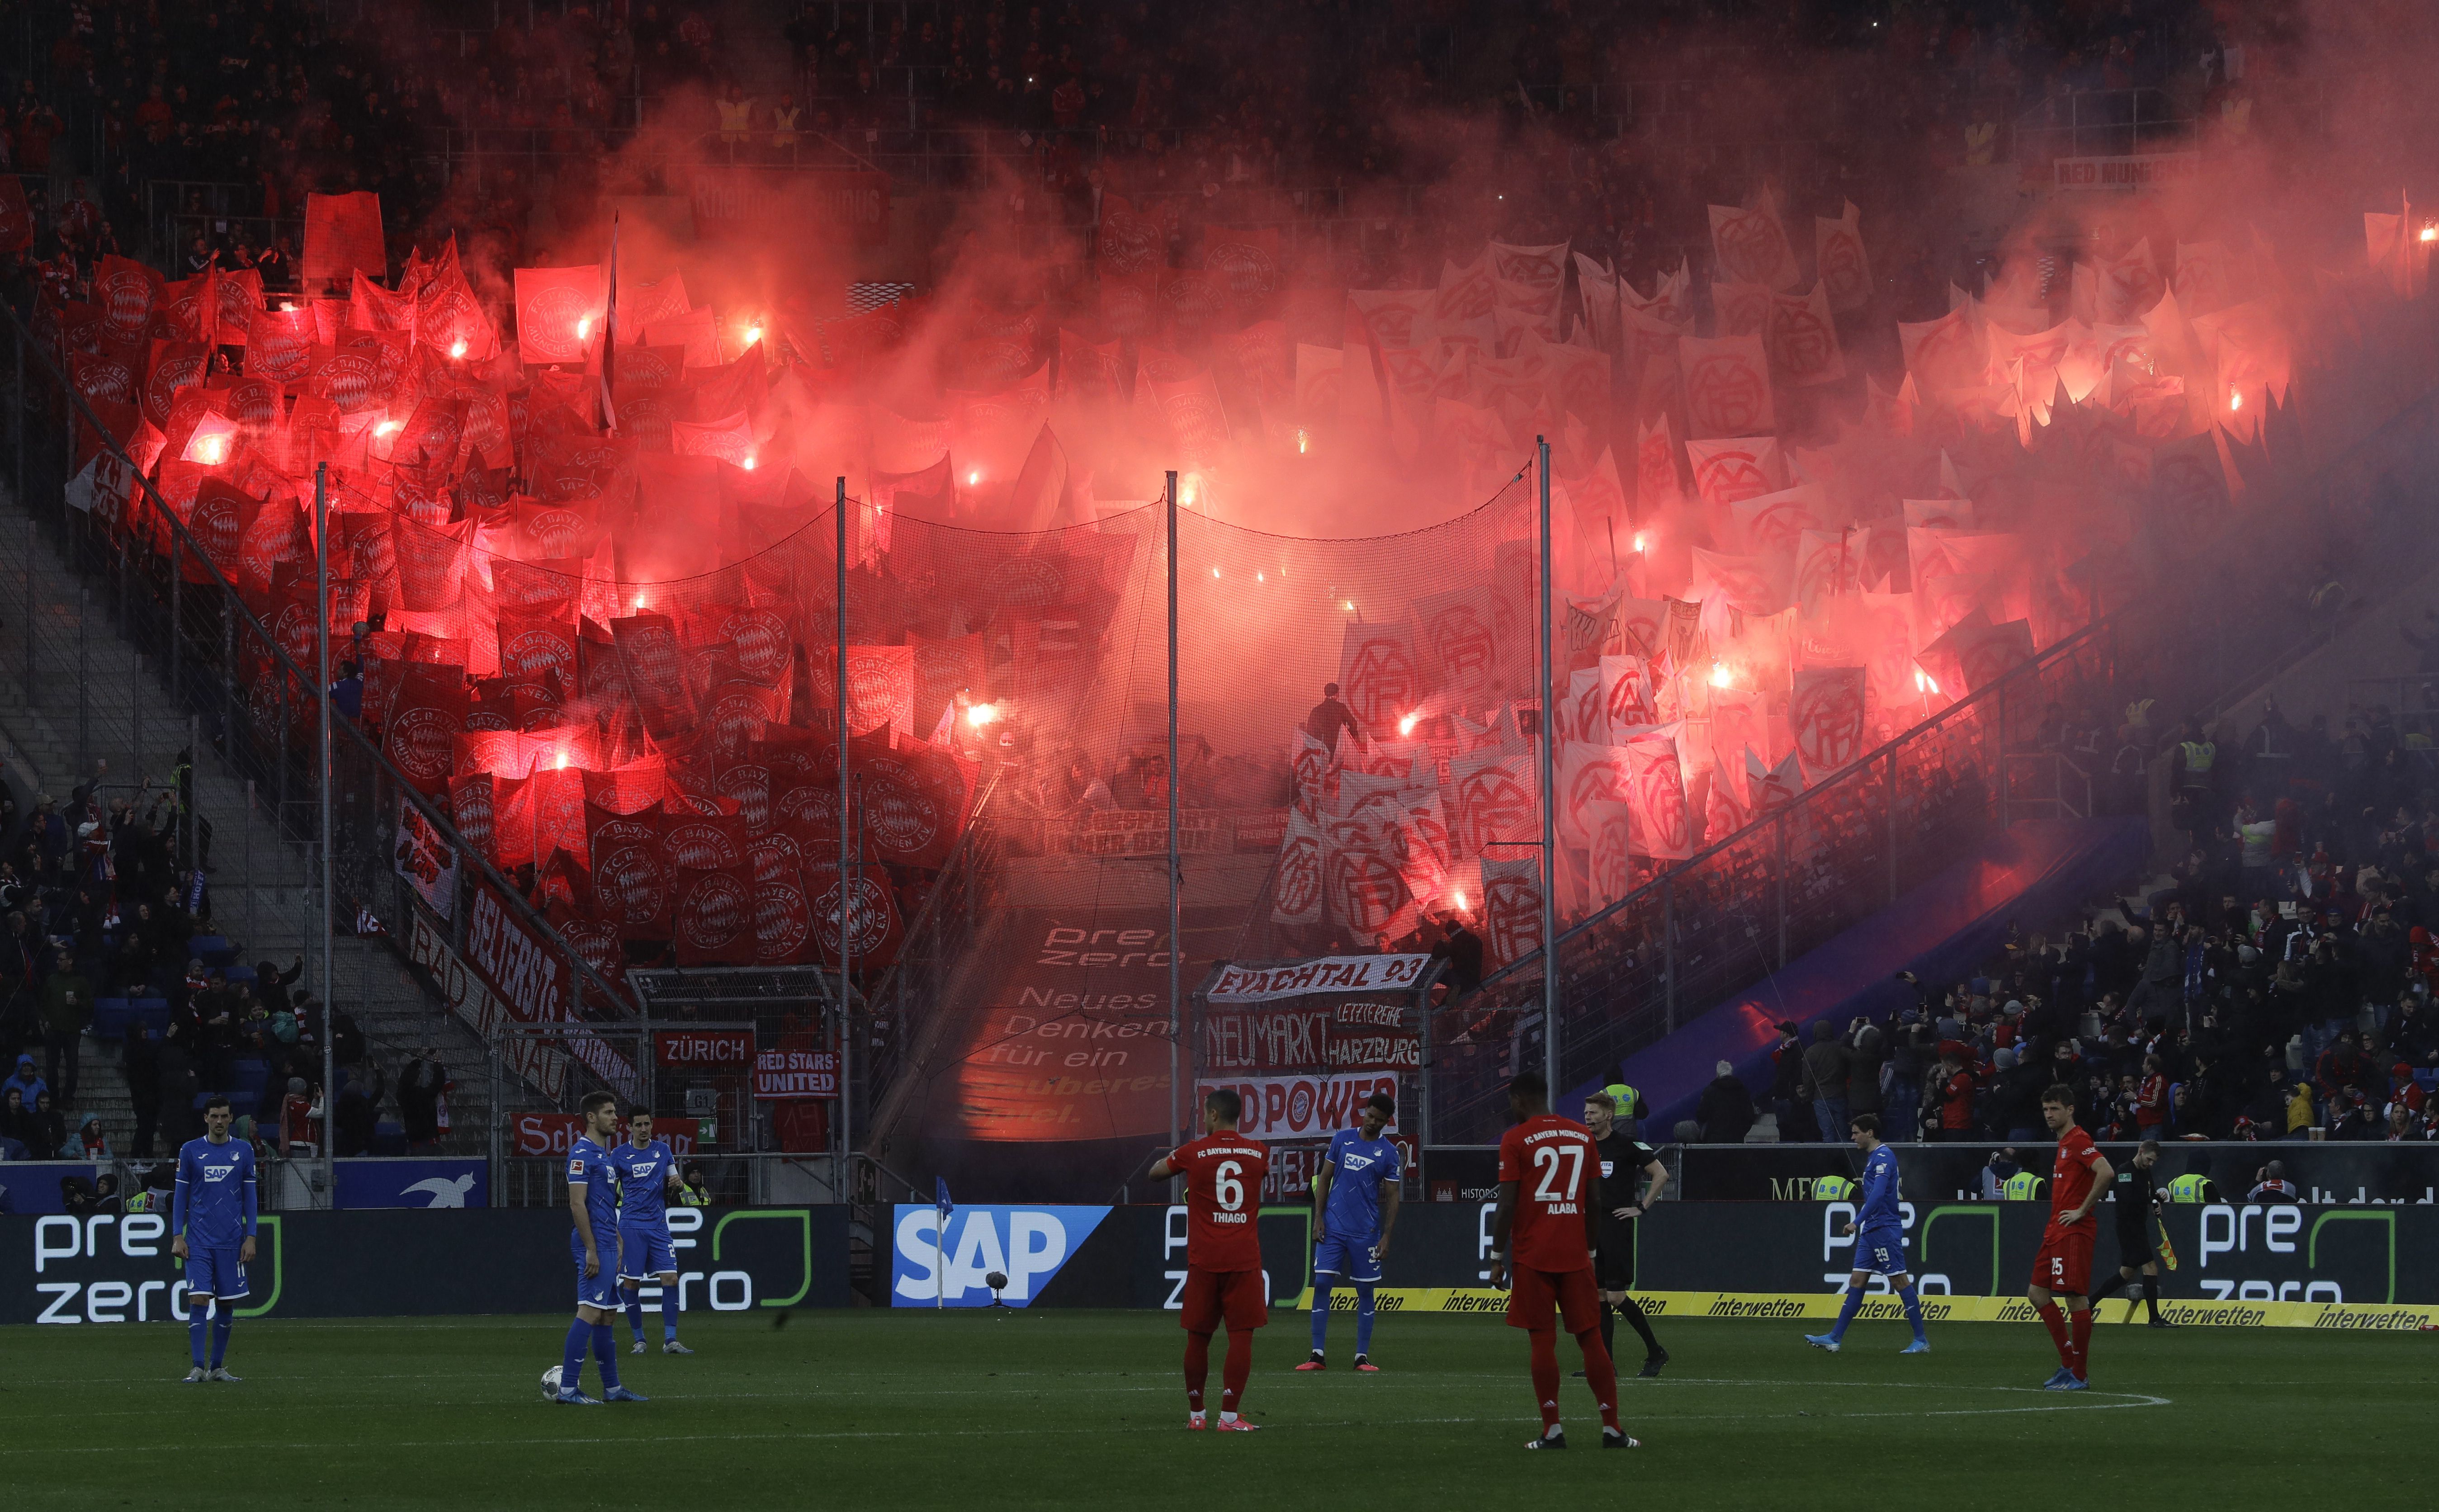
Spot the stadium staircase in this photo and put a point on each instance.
(92, 691)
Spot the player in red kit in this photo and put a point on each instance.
(1544, 1237)
(2064, 1263)
(1223, 1173)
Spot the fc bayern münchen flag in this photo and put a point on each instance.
(940, 1197)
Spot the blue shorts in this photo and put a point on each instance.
(216, 1271)
(599, 1290)
(1348, 1259)
(644, 1253)
(1880, 1250)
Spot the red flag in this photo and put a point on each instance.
(343, 234)
(713, 916)
(875, 924)
(425, 716)
(559, 313)
(631, 877)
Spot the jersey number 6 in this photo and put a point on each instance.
(1225, 1188)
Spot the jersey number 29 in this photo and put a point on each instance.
(1546, 1160)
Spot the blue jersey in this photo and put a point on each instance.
(589, 1162)
(643, 1183)
(1877, 1208)
(214, 1207)
(1358, 1166)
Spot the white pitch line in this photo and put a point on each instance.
(2131, 1399)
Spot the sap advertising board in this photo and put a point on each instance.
(1027, 1245)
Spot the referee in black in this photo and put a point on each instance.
(2136, 1200)
(1623, 1160)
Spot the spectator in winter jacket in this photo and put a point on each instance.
(2344, 1066)
(1824, 1079)
(1957, 1082)
(1726, 1111)
(1787, 1096)
(1866, 1048)
(67, 1009)
(418, 1098)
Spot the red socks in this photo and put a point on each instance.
(1546, 1375)
(2053, 1317)
(1601, 1374)
(1198, 1368)
(1233, 1371)
(2079, 1327)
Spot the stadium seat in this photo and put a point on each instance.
(212, 949)
(154, 1013)
(111, 1016)
(389, 1138)
(235, 974)
(247, 1077)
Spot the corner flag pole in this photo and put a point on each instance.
(1549, 809)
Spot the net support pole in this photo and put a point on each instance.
(321, 703)
(846, 891)
(1175, 1016)
(1549, 806)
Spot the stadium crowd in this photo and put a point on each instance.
(106, 935)
(2277, 985)
(129, 117)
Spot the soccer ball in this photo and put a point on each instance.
(550, 1384)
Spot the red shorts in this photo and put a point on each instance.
(1532, 1294)
(1212, 1297)
(2064, 1263)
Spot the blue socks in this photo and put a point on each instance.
(1847, 1311)
(635, 1311)
(198, 1324)
(221, 1327)
(605, 1349)
(1913, 1301)
(571, 1369)
(1362, 1317)
(668, 1315)
(1320, 1313)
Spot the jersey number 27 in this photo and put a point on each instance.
(1547, 1160)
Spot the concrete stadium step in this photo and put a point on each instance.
(261, 884)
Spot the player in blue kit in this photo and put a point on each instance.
(648, 1176)
(593, 1197)
(213, 1218)
(1355, 1199)
(1879, 1228)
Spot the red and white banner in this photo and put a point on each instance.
(552, 1133)
(1333, 974)
(1378, 676)
(1826, 715)
(530, 975)
(1299, 1107)
(1264, 1038)
(781, 1075)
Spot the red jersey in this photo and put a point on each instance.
(2071, 1181)
(2151, 1103)
(1557, 1169)
(1224, 1196)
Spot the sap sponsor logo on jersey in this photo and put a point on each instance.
(1027, 1245)
(1096, 947)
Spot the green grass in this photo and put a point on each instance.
(1068, 1409)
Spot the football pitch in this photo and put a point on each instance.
(1023, 1409)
